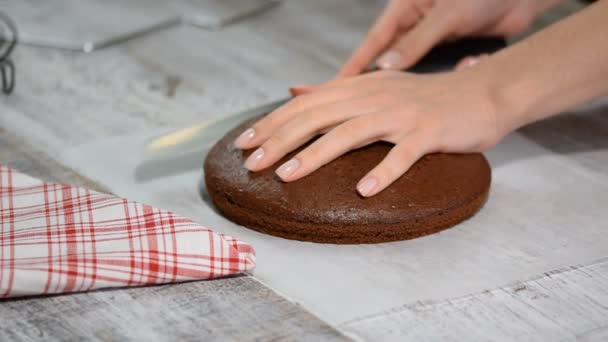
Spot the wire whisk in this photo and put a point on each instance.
(8, 40)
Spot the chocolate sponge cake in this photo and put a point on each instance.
(439, 191)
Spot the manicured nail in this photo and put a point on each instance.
(254, 159)
(244, 138)
(287, 169)
(472, 62)
(390, 60)
(300, 89)
(367, 186)
(295, 91)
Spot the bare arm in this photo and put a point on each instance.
(555, 69)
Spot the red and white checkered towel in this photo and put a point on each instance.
(57, 238)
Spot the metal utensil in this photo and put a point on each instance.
(184, 149)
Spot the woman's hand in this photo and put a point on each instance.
(461, 111)
(408, 29)
(420, 114)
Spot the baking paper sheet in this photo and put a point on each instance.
(544, 212)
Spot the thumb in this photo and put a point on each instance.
(409, 49)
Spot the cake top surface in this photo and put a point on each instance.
(434, 185)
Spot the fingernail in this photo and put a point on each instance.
(472, 62)
(390, 60)
(254, 159)
(293, 91)
(367, 186)
(244, 138)
(287, 169)
(300, 89)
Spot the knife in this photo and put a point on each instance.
(184, 149)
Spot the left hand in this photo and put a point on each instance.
(408, 29)
(447, 112)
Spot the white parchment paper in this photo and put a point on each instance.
(544, 212)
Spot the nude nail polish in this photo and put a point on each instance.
(367, 186)
(300, 89)
(254, 159)
(244, 138)
(287, 169)
(390, 60)
(472, 62)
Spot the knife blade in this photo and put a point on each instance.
(184, 149)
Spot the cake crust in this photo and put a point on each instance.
(438, 192)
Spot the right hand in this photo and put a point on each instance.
(453, 112)
(408, 29)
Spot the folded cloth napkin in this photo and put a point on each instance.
(57, 238)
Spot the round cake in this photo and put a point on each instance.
(439, 191)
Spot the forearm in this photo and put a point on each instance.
(553, 70)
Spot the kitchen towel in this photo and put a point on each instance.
(57, 238)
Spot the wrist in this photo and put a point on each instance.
(517, 99)
(520, 92)
(506, 101)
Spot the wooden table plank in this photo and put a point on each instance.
(19, 155)
(562, 305)
(180, 76)
(233, 309)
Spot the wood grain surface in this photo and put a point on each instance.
(568, 304)
(233, 309)
(181, 75)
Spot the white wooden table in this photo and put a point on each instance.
(175, 77)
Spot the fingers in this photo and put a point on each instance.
(263, 129)
(351, 134)
(396, 18)
(307, 88)
(394, 165)
(302, 89)
(471, 61)
(303, 127)
(332, 91)
(410, 48)
(378, 38)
